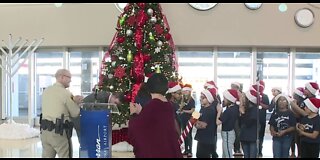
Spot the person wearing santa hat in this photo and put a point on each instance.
(228, 120)
(186, 111)
(275, 91)
(209, 85)
(249, 125)
(174, 96)
(282, 126)
(237, 146)
(299, 97)
(263, 106)
(206, 124)
(311, 89)
(309, 127)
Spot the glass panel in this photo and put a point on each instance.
(84, 67)
(233, 67)
(196, 68)
(307, 68)
(275, 70)
(47, 63)
(20, 84)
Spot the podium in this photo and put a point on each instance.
(96, 130)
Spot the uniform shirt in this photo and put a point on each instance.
(248, 131)
(311, 124)
(56, 100)
(229, 117)
(282, 121)
(207, 134)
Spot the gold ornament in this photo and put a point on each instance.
(129, 56)
(151, 37)
(158, 69)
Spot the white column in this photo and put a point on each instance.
(31, 90)
(292, 68)
(253, 65)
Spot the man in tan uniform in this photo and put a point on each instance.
(58, 105)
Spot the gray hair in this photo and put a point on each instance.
(61, 72)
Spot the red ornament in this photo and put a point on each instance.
(158, 29)
(141, 5)
(131, 20)
(120, 39)
(167, 36)
(128, 97)
(146, 57)
(119, 72)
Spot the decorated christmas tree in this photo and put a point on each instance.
(141, 46)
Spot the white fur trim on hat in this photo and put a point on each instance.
(174, 89)
(311, 106)
(310, 88)
(208, 95)
(298, 92)
(251, 97)
(186, 89)
(229, 96)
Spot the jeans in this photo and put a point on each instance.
(249, 149)
(281, 146)
(228, 138)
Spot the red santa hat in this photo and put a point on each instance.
(187, 87)
(299, 91)
(210, 84)
(236, 84)
(312, 87)
(255, 87)
(173, 87)
(278, 89)
(210, 94)
(232, 95)
(252, 96)
(313, 104)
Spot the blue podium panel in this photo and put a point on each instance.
(95, 134)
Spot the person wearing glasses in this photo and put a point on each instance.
(58, 106)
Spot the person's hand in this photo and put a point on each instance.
(135, 108)
(280, 133)
(299, 128)
(218, 122)
(78, 99)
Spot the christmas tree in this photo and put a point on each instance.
(141, 46)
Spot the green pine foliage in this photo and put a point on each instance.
(142, 46)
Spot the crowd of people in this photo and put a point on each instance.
(161, 112)
(242, 115)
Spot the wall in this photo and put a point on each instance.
(227, 24)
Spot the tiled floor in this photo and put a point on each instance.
(31, 148)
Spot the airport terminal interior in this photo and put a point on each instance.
(278, 43)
